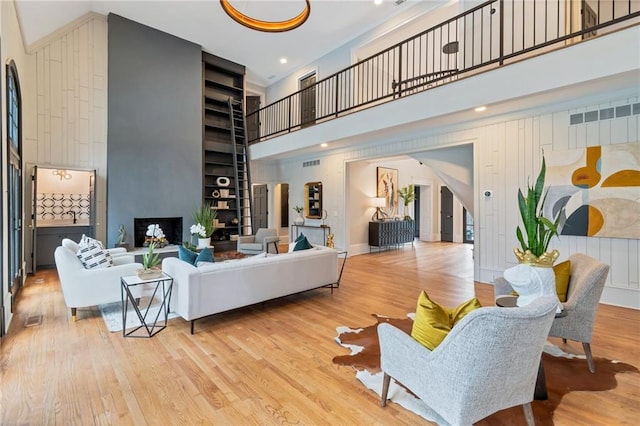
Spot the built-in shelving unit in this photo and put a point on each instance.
(226, 175)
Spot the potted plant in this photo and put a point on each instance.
(408, 195)
(149, 262)
(538, 230)
(204, 218)
(122, 238)
(299, 220)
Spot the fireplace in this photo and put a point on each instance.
(171, 226)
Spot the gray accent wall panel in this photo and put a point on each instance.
(154, 149)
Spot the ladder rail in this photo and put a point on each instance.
(242, 175)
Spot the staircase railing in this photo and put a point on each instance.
(488, 35)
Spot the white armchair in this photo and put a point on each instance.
(485, 364)
(89, 287)
(588, 276)
(258, 243)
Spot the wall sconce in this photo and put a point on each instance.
(378, 203)
(62, 174)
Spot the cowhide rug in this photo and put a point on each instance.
(564, 372)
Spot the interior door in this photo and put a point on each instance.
(92, 204)
(34, 217)
(446, 214)
(284, 205)
(260, 205)
(253, 121)
(308, 100)
(416, 211)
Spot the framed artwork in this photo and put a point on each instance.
(387, 188)
(600, 186)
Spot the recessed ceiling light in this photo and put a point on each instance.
(480, 108)
(283, 60)
(324, 144)
(377, 2)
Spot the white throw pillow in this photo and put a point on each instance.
(92, 254)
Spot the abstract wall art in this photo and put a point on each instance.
(387, 187)
(601, 188)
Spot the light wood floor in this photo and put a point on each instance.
(266, 364)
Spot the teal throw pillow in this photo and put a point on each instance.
(302, 244)
(204, 256)
(187, 255)
(194, 258)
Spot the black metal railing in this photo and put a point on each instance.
(485, 36)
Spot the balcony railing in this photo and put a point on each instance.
(489, 35)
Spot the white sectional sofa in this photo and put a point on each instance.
(218, 287)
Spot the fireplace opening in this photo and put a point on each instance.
(171, 226)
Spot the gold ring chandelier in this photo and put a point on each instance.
(267, 26)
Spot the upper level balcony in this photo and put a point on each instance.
(483, 39)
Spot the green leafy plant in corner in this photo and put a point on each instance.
(408, 195)
(150, 259)
(205, 216)
(538, 230)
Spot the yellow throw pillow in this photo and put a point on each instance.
(433, 322)
(563, 273)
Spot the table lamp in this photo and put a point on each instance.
(378, 203)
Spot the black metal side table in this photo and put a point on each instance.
(151, 306)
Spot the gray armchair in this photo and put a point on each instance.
(258, 243)
(588, 276)
(486, 363)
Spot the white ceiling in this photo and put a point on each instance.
(330, 24)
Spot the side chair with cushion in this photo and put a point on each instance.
(83, 287)
(586, 282)
(484, 365)
(258, 243)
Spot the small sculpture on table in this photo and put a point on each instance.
(330, 243)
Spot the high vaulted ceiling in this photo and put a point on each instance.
(330, 24)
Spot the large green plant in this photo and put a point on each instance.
(408, 194)
(538, 229)
(205, 216)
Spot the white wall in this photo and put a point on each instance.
(507, 152)
(71, 122)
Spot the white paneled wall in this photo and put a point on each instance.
(71, 87)
(506, 154)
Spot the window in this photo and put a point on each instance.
(14, 181)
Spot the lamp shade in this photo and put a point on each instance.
(379, 202)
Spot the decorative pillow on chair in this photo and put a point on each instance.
(563, 273)
(194, 258)
(433, 322)
(92, 254)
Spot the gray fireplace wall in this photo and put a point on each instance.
(154, 144)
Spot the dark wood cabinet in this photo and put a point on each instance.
(49, 238)
(391, 233)
(226, 181)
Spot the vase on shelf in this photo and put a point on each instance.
(204, 242)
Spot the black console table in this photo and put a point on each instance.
(312, 231)
(390, 233)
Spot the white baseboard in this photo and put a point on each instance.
(620, 296)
